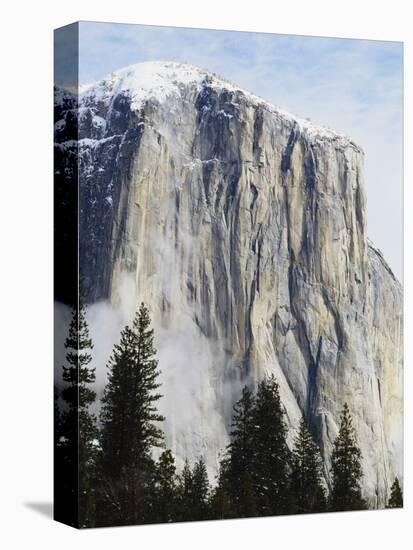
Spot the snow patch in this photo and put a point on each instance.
(159, 81)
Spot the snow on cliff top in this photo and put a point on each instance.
(154, 79)
(161, 80)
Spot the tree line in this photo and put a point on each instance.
(106, 466)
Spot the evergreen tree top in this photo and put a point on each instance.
(307, 478)
(77, 373)
(396, 495)
(346, 439)
(346, 467)
(129, 413)
(78, 338)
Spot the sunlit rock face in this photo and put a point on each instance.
(244, 230)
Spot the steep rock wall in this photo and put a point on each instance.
(244, 229)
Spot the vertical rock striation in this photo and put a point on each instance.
(244, 229)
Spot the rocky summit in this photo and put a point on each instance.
(244, 230)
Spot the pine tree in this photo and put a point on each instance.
(346, 468)
(57, 416)
(270, 461)
(237, 466)
(396, 495)
(129, 420)
(219, 501)
(306, 477)
(200, 491)
(76, 449)
(185, 492)
(65, 470)
(193, 493)
(165, 489)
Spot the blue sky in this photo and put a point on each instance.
(353, 86)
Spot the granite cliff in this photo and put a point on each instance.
(244, 230)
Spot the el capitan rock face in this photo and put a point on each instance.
(244, 230)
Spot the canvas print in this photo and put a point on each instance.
(228, 275)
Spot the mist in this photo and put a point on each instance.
(196, 397)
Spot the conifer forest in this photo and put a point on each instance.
(117, 470)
